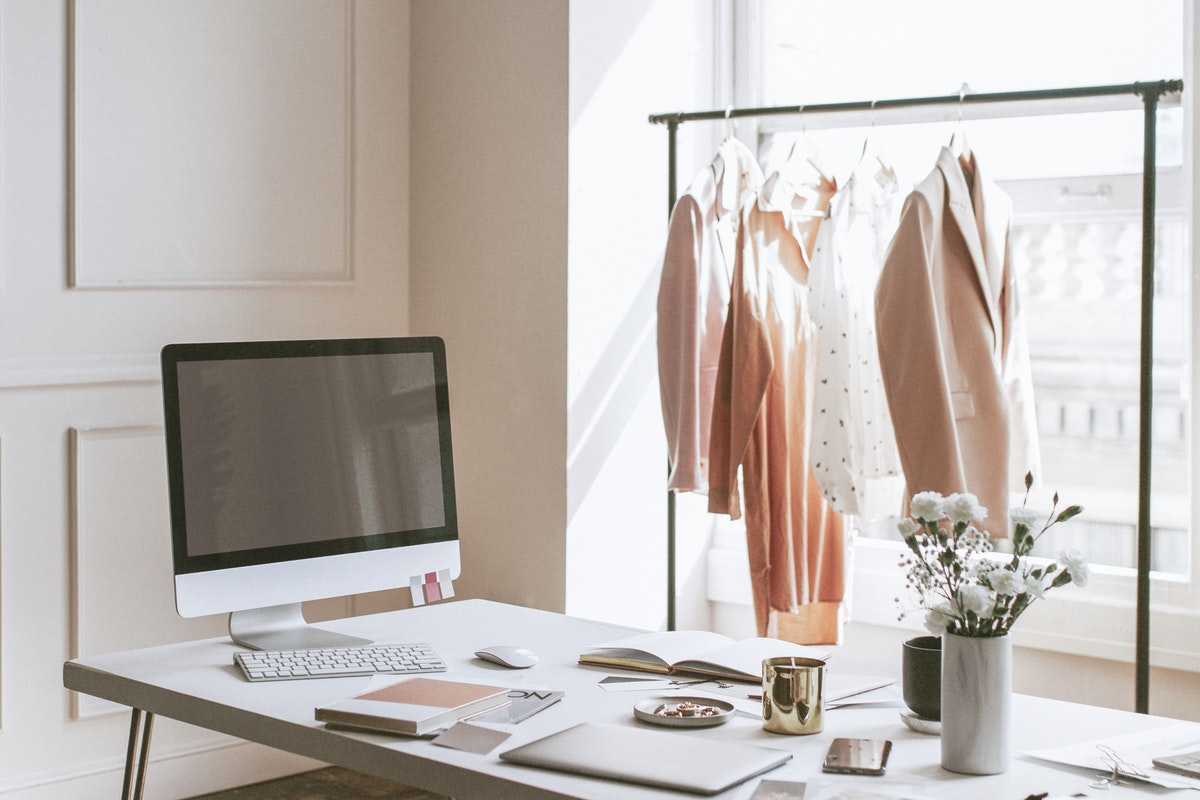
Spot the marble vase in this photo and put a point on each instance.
(976, 704)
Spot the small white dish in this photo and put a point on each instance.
(932, 727)
(683, 712)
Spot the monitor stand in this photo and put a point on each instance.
(284, 628)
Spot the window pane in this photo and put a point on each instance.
(1080, 282)
(1075, 179)
(820, 51)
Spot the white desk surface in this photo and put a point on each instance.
(197, 683)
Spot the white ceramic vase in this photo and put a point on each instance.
(976, 704)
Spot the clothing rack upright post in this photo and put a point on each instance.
(1150, 93)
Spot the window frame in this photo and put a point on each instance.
(1099, 620)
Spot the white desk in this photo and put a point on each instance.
(197, 683)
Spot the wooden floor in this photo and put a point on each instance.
(331, 783)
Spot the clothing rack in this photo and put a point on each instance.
(1150, 94)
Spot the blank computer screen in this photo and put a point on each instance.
(288, 451)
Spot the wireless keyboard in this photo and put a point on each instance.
(285, 665)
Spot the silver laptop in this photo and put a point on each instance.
(672, 760)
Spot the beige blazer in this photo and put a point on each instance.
(952, 345)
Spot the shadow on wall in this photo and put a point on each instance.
(612, 28)
(623, 373)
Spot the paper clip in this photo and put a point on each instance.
(1119, 767)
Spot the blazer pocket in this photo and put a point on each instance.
(963, 405)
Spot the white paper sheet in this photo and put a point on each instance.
(1135, 749)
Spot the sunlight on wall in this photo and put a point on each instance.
(627, 62)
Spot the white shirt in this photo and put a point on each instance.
(853, 446)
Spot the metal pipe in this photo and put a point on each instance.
(1150, 92)
(1145, 544)
(1158, 88)
(672, 135)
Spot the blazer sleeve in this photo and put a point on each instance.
(1024, 446)
(911, 354)
(678, 334)
(743, 370)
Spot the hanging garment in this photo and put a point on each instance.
(693, 299)
(853, 446)
(760, 422)
(952, 344)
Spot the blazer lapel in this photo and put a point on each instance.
(963, 211)
(994, 219)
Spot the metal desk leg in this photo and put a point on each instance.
(132, 787)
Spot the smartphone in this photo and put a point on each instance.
(1184, 764)
(857, 756)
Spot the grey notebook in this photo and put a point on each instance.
(670, 759)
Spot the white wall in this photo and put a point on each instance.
(84, 536)
(629, 60)
(489, 273)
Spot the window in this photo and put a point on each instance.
(1074, 174)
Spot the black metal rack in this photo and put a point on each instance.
(1150, 94)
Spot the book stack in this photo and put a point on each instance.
(413, 707)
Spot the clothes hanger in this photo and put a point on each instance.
(958, 140)
(720, 162)
(872, 151)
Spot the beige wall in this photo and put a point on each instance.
(488, 195)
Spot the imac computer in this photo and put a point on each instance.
(301, 470)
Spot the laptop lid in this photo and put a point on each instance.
(654, 758)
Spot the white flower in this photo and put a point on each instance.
(963, 507)
(1025, 516)
(938, 619)
(926, 506)
(1007, 582)
(956, 582)
(976, 599)
(1077, 566)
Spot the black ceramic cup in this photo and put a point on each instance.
(921, 676)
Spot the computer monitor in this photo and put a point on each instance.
(300, 470)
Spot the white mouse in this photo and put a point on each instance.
(508, 656)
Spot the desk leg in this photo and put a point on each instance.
(132, 789)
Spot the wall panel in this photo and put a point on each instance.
(211, 141)
(172, 171)
(123, 595)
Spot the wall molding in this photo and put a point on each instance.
(183, 169)
(215, 764)
(74, 371)
(120, 550)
